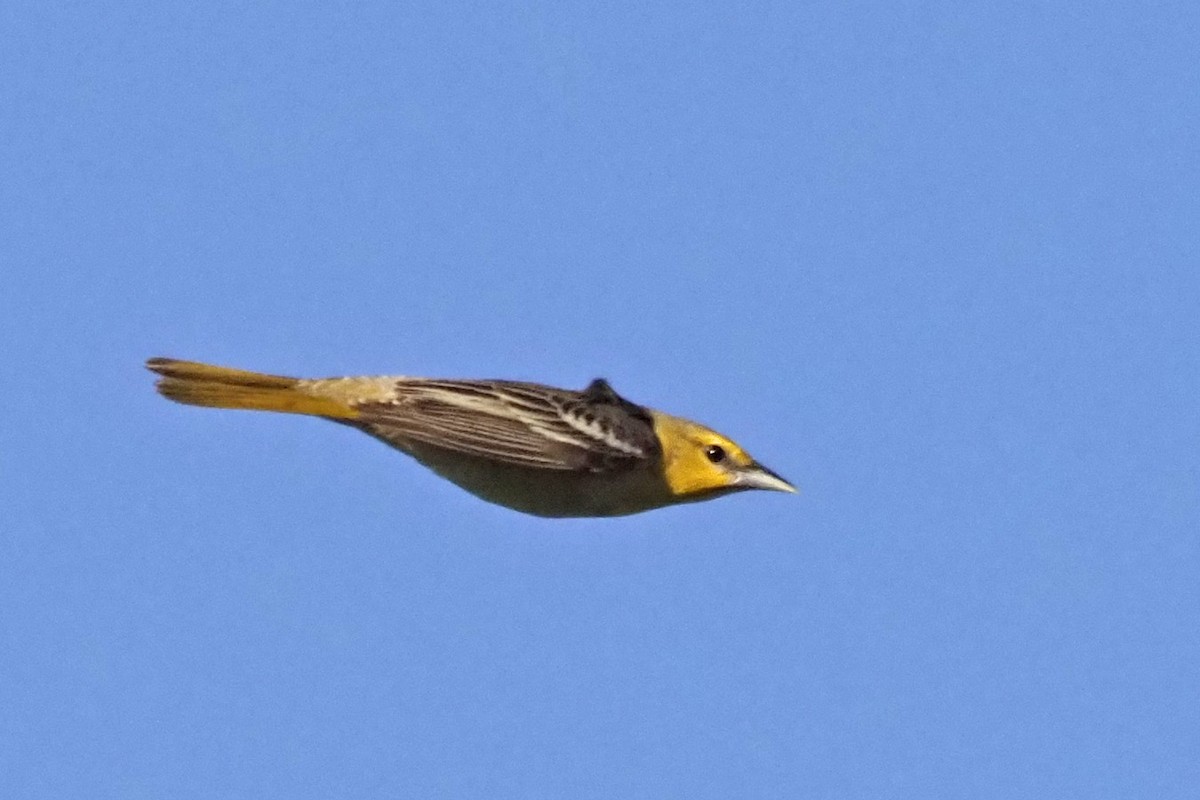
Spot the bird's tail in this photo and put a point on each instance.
(197, 384)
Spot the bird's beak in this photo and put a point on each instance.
(756, 476)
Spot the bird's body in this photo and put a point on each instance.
(545, 451)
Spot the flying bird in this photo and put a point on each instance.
(533, 448)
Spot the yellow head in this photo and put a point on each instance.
(699, 463)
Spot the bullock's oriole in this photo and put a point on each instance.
(544, 451)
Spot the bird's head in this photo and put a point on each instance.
(699, 463)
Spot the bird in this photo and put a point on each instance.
(536, 449)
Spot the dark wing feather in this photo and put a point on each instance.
(517, 423)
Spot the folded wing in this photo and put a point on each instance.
(517, 423)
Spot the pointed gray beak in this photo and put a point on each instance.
(756, 476)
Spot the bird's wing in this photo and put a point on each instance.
(516, 423)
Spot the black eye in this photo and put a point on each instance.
(715, 453)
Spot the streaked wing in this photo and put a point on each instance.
(517, 423)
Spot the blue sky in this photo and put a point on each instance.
(935, 263)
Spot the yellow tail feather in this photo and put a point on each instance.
(196, 384)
